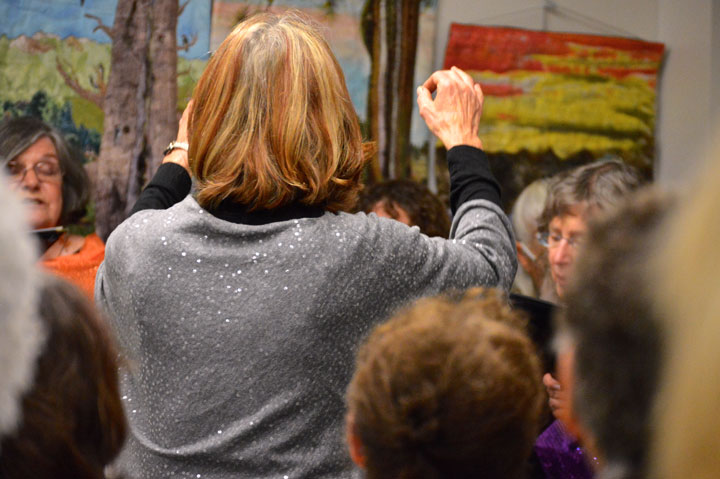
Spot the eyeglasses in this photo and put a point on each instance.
(553, 240)
(47, 171)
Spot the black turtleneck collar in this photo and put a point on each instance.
(238, 213)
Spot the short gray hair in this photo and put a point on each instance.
(597, 186)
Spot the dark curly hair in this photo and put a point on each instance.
(447, 389)
(424, 209)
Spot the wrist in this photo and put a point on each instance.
(179, 157)
(174, 145)
(473, 141)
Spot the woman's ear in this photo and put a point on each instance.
(357, 451)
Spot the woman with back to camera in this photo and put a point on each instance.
(49, 176)
(240, 307)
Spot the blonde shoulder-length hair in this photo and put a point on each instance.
(272, 122)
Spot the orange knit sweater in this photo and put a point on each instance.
(80, 268)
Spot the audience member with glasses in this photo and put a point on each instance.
(574, 198)
(49, 176)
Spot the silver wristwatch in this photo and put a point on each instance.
(175, 144)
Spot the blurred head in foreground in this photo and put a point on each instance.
(21, 333)
(687, 275)
(446, 389)
(72, 422)
(610, 338)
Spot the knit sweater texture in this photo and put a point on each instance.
(240, 339)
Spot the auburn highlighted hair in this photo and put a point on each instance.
(272, 121)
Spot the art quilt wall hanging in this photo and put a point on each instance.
(558, 99)
(55, 59)
(111, 75)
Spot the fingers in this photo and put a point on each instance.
(454, 114)
(551, 383)
(439, 77)
(479, 93)
(454, 75)
(424, 98)
(432, 82)
(464, 77)
(184, 120)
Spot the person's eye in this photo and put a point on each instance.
(578, 240)
(47, 168)
(555, 238)
(14, 168)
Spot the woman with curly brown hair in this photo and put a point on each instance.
(409, 202)
(446, 389)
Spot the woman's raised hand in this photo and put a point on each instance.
(454, 114)
(178, 155)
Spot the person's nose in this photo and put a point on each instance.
(30, 180)
(563, 252)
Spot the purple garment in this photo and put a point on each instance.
(560, 456)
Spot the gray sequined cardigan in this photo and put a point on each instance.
(241, 339)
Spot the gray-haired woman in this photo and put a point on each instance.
(49, 176)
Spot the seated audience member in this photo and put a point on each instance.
(21, 333)
(409, 202)
(242, 305)
(574, 198)
(687, 279)
(532, 277)
(50, 178)
(610, 339)
(72, 423)
(446, 389)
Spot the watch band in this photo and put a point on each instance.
(175, 144)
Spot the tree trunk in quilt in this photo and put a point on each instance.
(390, 31)
(140, 105)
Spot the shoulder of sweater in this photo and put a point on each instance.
(367, 222)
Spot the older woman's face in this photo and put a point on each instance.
(566, 233)
(35, 175)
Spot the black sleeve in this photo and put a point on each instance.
(170, 185)
(470, 177)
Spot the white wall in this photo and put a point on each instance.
(689, 101)
(685, 115)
